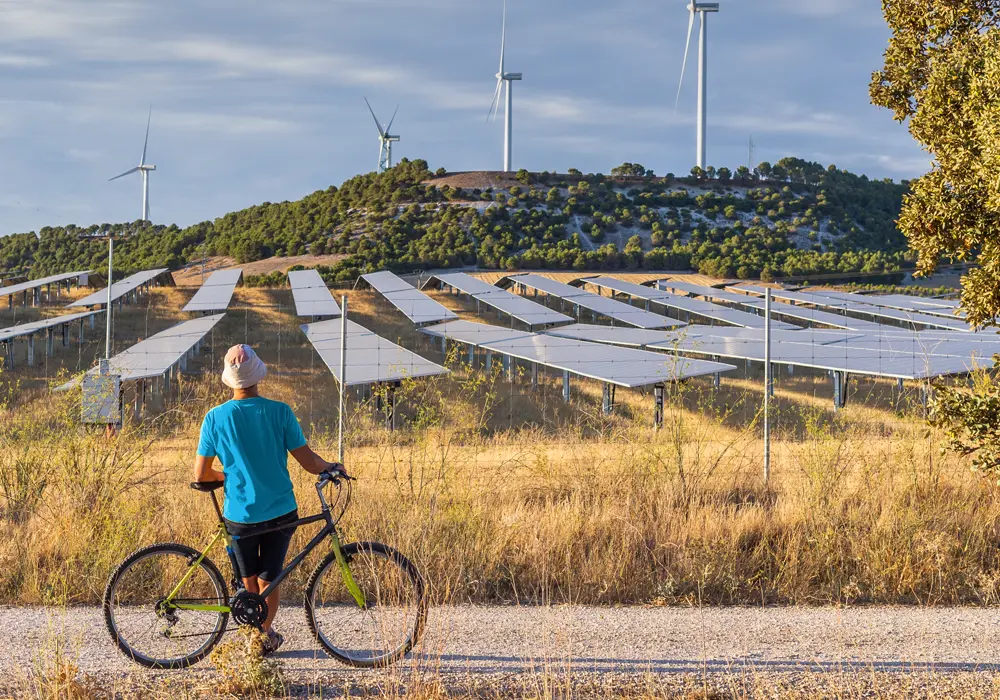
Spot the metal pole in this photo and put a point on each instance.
(107, 336)
(343, 377)
(767, 387)
(702, 84)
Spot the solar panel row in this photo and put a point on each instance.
(217, 292)
(311, 296)
(619, 366)
(412, 303)
(582, 299)
(525, 311)
(120, 289)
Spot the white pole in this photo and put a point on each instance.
(767, 387)
(507, 158)
(702, 83)
(107, 311)
(343, 377)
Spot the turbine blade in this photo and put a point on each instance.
(496, 101)
(377, 125)
(687, 49)
(503, 36)
(388, 129)
(142, 161)
(127, 172)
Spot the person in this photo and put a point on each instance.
(251, 436)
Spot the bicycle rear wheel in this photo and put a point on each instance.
(156, 634)
(389, 624)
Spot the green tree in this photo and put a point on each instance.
(940, 76)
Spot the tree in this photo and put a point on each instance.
(940, 75)
(743, 173)
(697, 173)
(725, 174)
(523, 176)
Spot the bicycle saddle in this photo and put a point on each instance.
(206, 486)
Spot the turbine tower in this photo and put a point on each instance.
(701, 9)
(144, 169)
(505, 79)
(385, 140)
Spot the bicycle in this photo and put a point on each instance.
(167, 605)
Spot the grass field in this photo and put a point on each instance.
(505, 494)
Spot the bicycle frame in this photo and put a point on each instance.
(329, 530)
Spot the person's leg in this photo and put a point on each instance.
(273, 549)
(273, 601)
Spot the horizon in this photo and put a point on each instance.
(262, 109)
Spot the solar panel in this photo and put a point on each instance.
(848, 302)
(856, 353)
(414, 304)
(370, 358)
(620, 366)
(617, 310)
(217, 291)
(698, 307)
(311, 296)
(36, 326)
(156, 354)
(119, 289)
(523, 310)
(35, 284)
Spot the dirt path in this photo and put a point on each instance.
(496, 640)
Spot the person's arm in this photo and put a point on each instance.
(312, 462)
(203, 471)
(205, 456)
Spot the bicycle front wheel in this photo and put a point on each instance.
(154, 632)
(382, 630)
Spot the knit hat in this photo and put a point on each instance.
(243, 368)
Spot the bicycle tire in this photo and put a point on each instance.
(114, 628)
(351, 553)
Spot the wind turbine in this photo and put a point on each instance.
(504, 78)
(702, 9)
(144, 169)
(385, 140)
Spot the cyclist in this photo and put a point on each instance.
(252, 436)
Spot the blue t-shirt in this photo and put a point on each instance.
(252, 438)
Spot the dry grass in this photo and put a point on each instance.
(501, 493)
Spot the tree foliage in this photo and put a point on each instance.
(940, 74)
(815, 220)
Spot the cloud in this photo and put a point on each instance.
(233, 124)
(22, 61)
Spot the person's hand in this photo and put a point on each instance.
(337, 469)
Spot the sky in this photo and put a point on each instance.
(257, 101)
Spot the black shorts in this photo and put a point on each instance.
(262, 555)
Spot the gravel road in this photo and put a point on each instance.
(471, 641)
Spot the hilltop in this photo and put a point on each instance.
(792, 219)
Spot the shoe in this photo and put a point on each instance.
(273, 642)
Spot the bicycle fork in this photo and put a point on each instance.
(345, 570)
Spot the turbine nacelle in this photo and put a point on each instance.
(510, 76)
(703, 6)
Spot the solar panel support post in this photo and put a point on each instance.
(472, 355)
(79, 335)
(9, 347)
(717, 381)
(506, 368)
(489, 360)
(49, 349)
(343, 378)
(108, 308)
(606, 400)
(92, 322)
(534, 375)
(767, 387)
(65, 335)
(566, 386)
(658, 391)
(31, 350)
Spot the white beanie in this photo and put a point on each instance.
(243, 368)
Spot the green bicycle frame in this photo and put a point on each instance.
(329, 531)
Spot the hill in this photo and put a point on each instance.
(792, 219)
